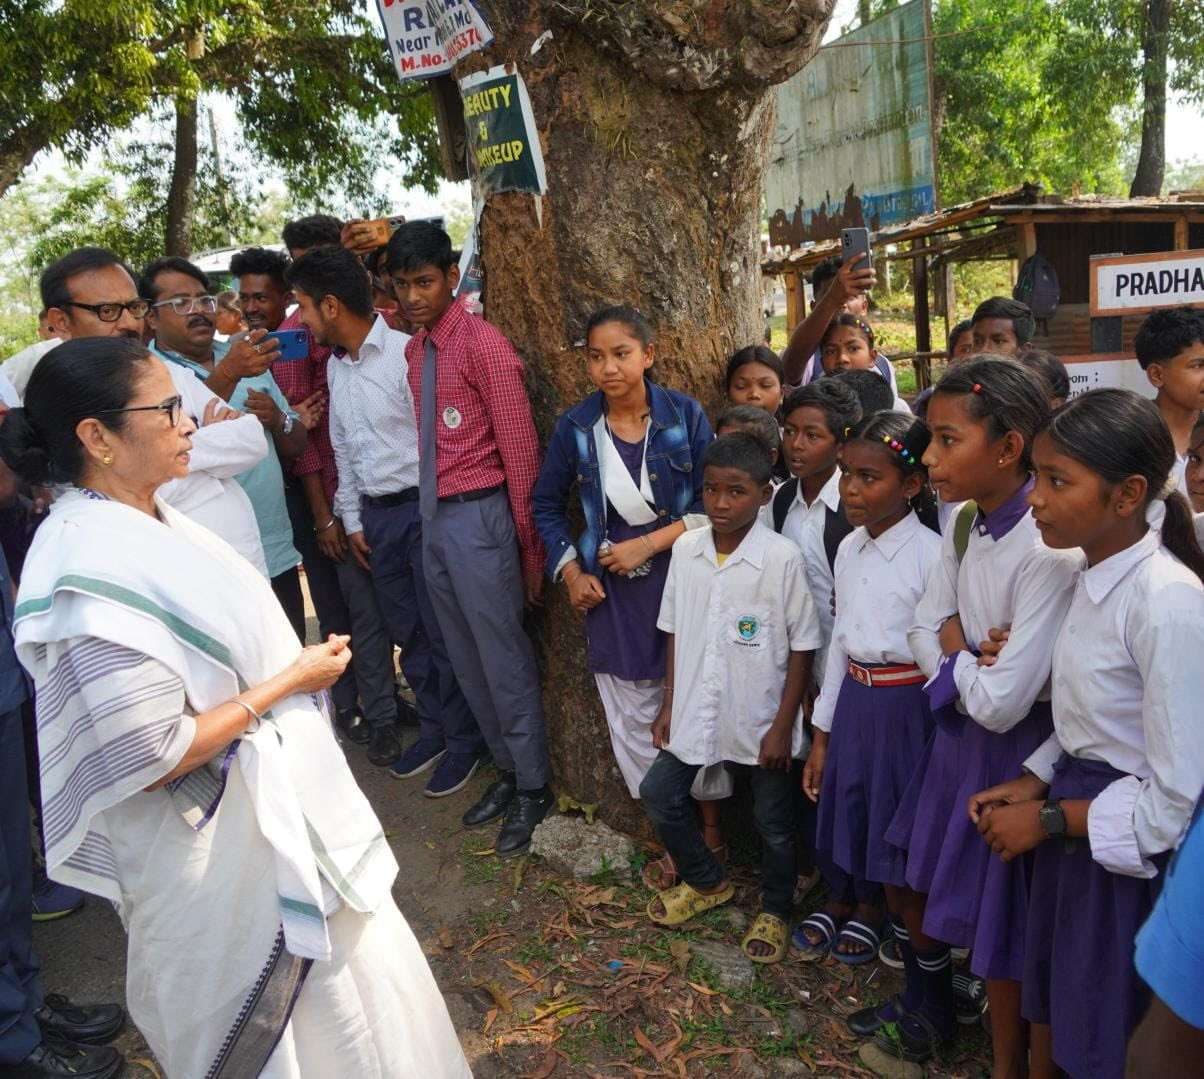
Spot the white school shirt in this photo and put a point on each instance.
(734, 628)
(879, 582)
(804, 526)
(1007, 580)
(210, 494)
(1127, 688)
(373, 423)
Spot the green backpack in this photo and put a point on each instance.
(962, 524)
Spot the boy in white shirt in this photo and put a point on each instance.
(742, 634)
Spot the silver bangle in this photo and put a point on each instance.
(255, 716)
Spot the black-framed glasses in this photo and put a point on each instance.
(173, 406)
(188, 305)
(111, 312)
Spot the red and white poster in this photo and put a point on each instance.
(426, 37)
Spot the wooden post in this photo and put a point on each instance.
(950, 298)
(796, 300)
(919, 285)
(1180, 233)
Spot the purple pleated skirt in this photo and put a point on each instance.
(1079, 975)
(878, 739)
(975, 900)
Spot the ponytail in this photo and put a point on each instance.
(1179, 534)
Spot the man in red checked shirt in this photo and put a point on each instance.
(478, 459)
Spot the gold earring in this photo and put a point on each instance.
(107, 459)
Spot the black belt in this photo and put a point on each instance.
(397, 498)
(472, 496)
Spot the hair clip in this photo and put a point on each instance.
(900, 449)
(976, 388)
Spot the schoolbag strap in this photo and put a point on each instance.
(962, 524)
(782, 498)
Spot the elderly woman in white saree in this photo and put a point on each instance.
(189, 771)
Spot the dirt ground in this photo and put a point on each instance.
(547, 977)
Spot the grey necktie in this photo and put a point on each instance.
(428, 469)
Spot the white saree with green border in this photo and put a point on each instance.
(263, 938)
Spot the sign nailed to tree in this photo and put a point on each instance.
(503, 144)
(427, 36)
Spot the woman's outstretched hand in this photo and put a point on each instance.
(320, 665)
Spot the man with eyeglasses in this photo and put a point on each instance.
(183, 316)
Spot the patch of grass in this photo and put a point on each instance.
(704, 1028)
(479, 867)
(535, 951)
(599, 1035)
(486, 921)
(607, 875)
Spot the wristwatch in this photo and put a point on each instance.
(1052, 819)
(286, 428)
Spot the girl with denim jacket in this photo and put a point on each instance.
(633, 450)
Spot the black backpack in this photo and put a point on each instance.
(836, 524)
(1037, 286)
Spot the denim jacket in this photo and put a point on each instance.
(679, 435)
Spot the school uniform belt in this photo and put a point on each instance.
(471, 496)
(396, 498)
(886, 674)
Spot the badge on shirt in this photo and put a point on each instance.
(748, 627)
(451, 417)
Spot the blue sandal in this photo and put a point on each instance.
(824, 924)
(866, 937)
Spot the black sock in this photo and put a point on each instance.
(913, 984)
(936, 973)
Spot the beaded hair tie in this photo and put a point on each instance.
(976, 388)
(901, 450)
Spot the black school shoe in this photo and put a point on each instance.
(494, 802)
(524, 813)
(385, 747)
(55, 1059)
(89, 1024)
(352, 726)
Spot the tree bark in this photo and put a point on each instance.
(1155, 42)
(654, 120)
(181, 195)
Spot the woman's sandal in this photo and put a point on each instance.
(766, 929)
(681, 903)
(864, 936)
(661, 875)
(811, 951)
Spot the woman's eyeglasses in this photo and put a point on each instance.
(188, 305)
(111, 312)
(172, 406)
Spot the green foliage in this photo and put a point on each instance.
(311, 80)
(1027, 95)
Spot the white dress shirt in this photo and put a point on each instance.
(373, 424)
(1127, 689)
(879, 582)
(1012, 581)
(734, 628)
(210, 494)
(804, 525)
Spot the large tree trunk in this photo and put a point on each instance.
(181, 196)
(655, 120)
(1155, 39)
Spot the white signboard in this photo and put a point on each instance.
(426, 37)
(1138, 284)
(1114, 370)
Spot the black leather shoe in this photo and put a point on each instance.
(351, 726)
(55, 1059)
(869, 1021)
(524, 813)
(385, 747)
(494, 802)
(91, 1024)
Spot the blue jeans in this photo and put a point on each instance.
(665, 793)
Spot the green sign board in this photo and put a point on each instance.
(503, 143)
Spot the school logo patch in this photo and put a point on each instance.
(748, 627)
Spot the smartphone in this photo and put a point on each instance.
(854, 241)
(380, 229)
(294, 344)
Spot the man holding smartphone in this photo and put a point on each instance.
(183, 316)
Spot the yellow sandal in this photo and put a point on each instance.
(682, 903)
(766, 929)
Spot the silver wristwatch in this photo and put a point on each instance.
(287, 427)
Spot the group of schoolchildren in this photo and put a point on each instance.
(955, 654)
